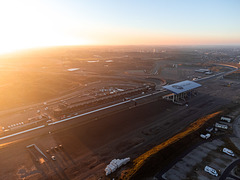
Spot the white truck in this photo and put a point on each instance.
(227, 119)
(221, 126)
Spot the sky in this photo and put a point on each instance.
(40, 23)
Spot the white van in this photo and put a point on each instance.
(228, 152)
(211, 171)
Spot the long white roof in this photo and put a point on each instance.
(181, 87)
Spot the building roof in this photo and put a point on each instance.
(181, 87)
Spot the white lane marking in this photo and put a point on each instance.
(141, 97)
(90, 112)
(209, 77)
(80, 115)
(28, 130)
(100, 109)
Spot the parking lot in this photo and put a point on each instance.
(192, 165)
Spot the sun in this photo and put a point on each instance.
(32, 24)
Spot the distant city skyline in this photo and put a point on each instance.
(40, 23)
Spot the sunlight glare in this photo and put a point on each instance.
(30, 24)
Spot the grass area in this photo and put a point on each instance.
(142, 159)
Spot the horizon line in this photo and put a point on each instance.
(116, 45)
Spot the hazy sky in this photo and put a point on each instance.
(33, 23)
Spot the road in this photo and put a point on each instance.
(225, 174)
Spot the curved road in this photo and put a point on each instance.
(225, 174)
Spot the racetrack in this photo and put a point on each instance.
(88, 147)
(91, 142)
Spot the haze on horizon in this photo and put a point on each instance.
(41, 23)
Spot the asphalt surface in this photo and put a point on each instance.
(225, 174)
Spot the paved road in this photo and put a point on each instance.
(236, 125)
(225, 174)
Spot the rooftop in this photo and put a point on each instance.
(181, 87)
